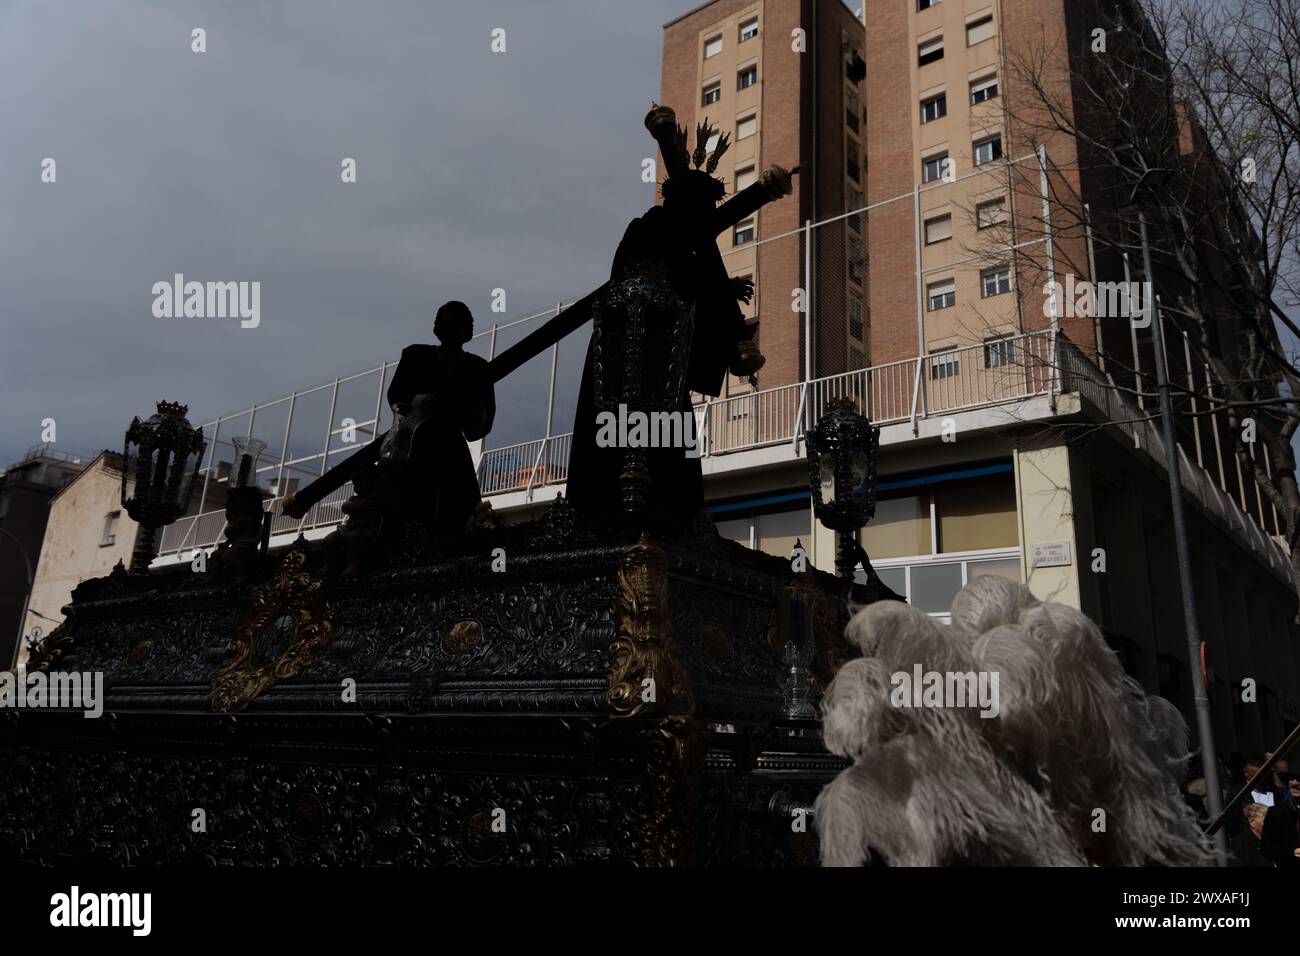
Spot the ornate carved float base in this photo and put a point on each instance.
(598, 702)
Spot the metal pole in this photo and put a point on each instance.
(1196, 408)
(27, 596)
(203, 494)
(550, 392)
(329, 428)
(1092, 276)
(1214, 423)
(1133, 337)
(1051, 273)
(379, 402)
(284, 448)
(799, 428)
(1200, 697)
(325, 455)
(807, 301)
(920, 302)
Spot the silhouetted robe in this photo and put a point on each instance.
(439, 484)
(698, 275)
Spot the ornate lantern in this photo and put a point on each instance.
(842, 474)
(161, 459)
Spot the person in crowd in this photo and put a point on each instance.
(1262, 791)
(1244, 848)
(1280, 836)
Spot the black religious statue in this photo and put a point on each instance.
(421, 468)
(678, 241)
(444, 398)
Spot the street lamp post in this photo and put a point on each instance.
(842, 450)
(161, 459)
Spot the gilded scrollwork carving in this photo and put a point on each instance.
(646, 674)
(462, 637)
(291, 594)
(673, 754)
(46, 653)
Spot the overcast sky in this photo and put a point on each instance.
(475, 170)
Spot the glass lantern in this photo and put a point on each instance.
(161, 458)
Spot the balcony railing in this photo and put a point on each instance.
(959, 379)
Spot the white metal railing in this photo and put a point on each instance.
(964, 378)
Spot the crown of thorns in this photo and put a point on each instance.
(662, 124)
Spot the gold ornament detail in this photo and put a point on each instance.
(644, 656)
(462, 637)
(139, 652)
(644, 664)
(49, 651)
(673, 756)
(291, 593)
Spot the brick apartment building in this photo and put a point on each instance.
(790, 99)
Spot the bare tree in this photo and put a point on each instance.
(1185, 113)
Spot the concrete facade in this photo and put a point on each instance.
(86, 535)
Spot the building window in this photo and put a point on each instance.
(749, 29)
(856, 260)
(999, 351)
(855, 359)
(109, 534)
(855, 317)
(746, 126)
(991, 213)
(934, 108)
(712, 46)
(745, 178)
(851, 109)
(712, 143)
(943, 364)
(929, 52)
(938, 229)
(712, 93)
(983, 90)
(965, 515)
(855, 202)
(941, 295)
(995, 281)
(980, 30)
(987, 150)
(852, 167)
(925, 4)
(855, 68)
(744, 232)
(934, 167)
(747, 77)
